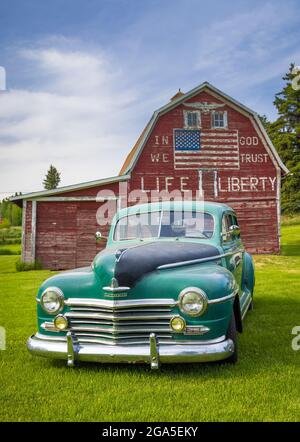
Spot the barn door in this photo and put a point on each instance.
(86, 246)
(56, 235)
(65, 237)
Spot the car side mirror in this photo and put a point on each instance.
(99, 237)
(235, 231)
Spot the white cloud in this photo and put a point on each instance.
(248, 48)
(77, 118)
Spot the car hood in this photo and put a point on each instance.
(135, 271)
(130, 265)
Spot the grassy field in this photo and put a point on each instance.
(8, 238)
(263, 386)
(14, 248)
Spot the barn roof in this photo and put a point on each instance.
(85, 185)
(139, 145)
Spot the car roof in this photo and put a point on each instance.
(205, 206)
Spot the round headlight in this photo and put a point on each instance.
(193, 301)
(177, 324)
(60, 322)
(52, 300)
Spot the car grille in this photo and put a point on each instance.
(120, 322)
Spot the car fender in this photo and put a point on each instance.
(248, 277)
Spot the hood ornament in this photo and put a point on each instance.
(114, 289)
(114, 283)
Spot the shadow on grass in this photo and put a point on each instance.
(290, 249)
(212, 369)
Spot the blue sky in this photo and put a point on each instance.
(83, 77)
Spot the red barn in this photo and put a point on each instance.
(201, 141)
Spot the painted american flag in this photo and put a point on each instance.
(207, 149)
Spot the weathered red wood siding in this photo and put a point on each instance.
(65, 236)
(26, 252)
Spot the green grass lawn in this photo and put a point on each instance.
(15, 248)
(263, 386)
(8, 236)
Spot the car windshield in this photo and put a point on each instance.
(165, 224)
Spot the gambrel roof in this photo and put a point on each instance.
(138, 147)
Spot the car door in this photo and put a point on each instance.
(233, 246)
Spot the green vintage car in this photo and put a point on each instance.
(172, 285)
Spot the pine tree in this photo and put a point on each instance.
(285, 135)
(52, 178)
(265, 121)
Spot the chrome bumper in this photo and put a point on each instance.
(152, 354)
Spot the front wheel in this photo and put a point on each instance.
(232, 334)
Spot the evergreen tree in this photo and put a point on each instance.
(285, 135)
(52, 178)
(265, 122)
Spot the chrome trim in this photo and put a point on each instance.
(42, 337)
(246, 304)
(49, 326)
(118, 317)
(70, 350)
(127, 322)
(115, 289)
(196, 261)
(125, 342)
(164, 353)
(191, 261)
(60, 297)
(131, 311)
(154, 355)
(201, 293)
(111, 330)
(121, 324)
(114, 286)
(90, 302)
(195, 330)
(116, 330)
(50, 337)
(223, 299)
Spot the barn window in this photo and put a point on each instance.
(219, 119)
(192, 119)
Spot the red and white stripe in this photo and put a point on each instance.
(219, 150)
